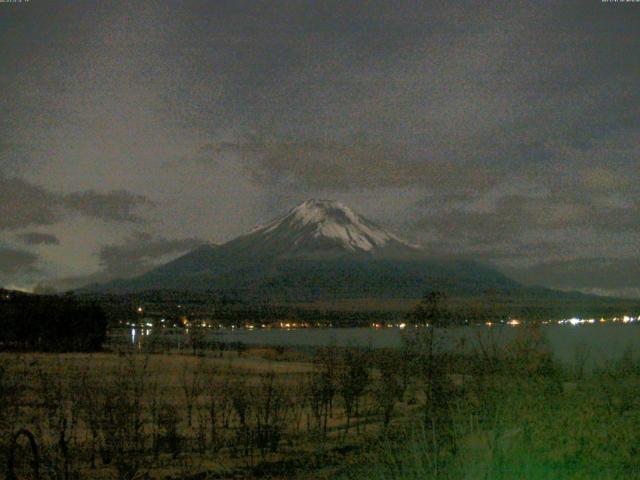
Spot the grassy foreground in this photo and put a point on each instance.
(521, 422)
(479, 412)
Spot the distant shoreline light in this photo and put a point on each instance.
(581, 321)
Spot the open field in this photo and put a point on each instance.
(110, 415)
(500, 412)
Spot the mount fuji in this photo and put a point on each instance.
(320, 229)
(319, 250)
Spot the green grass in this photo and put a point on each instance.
(524, 427)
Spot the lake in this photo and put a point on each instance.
(599, 343)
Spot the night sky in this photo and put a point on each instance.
(507, 132)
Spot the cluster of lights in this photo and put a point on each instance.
(590, 321)
(291, 325)
(576, 321)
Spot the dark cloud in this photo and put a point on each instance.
(446, 98)
(115, 206)
(544, 239)
(38, 238)
(24, 204)
(13, 261)
(356, 163)
(511, 217)
(517, 122)
(136, 255)
(140, 253)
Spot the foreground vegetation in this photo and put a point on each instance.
(157, 416)
(524, 420)
(416, 412)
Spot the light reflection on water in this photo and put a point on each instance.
(599, 342)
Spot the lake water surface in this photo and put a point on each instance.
(599, 343)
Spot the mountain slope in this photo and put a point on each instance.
(319, 228)
(318, 250)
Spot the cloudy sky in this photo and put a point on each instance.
(508, 132)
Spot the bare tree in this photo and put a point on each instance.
(218, 405)
(388, 388)
(62, 414)
(352, 379)
(242, 401)
(191, 382)
(322, 386)
(271, 413)
(168, 421)
(121, 417)
(196, 340)
(425, 349)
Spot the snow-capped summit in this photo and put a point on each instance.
(319, 250)
(329, 224)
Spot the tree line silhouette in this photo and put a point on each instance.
(50, 323)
